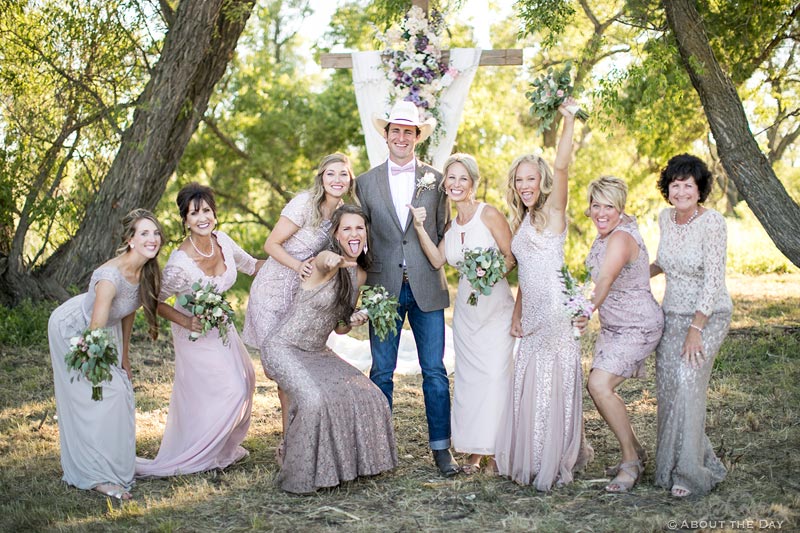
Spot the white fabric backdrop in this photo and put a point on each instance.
(372, 89)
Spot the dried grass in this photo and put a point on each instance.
(753, 421)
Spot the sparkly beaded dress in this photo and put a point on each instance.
(340, 425)
(542, 441)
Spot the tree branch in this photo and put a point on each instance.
(227, 141)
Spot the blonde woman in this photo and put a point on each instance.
(542, 441)
(631, 320)
(481, 333)
(301, 230)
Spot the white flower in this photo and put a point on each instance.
(427, 180)
(74, 341)
(217, 312)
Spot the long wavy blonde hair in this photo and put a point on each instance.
(317, 190)
(150, 278)
(514, 200)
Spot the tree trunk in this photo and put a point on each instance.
(740, 155)
(197, 49)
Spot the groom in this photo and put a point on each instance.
(400, 265)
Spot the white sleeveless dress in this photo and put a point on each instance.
(483, 347)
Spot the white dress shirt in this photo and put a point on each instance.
(402, 188)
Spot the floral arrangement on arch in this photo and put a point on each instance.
(413, 63)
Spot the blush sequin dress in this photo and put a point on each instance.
(275, 285)
(339, 423)
(631, 320)
(542, 438)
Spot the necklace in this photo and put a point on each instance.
(196, 249)
(675, 217)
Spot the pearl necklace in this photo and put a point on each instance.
(675, 217)
(196, 249)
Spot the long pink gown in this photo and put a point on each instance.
(541, 441)
(209, 411)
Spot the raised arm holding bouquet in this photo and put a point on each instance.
(548, 92)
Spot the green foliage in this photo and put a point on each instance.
(25, 324)
(482, 268)
(71, 74)
(549, 17)
(267, 127)
(381, 307)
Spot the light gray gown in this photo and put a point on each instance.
(98, 438)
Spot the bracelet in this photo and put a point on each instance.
(697, 328)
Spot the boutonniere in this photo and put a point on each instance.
(426, 182)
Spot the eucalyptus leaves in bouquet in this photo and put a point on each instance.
(482, 268)
(381, 308)
(211, 307)
(92, 354)
(548, 92)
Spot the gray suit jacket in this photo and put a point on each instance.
(392, 242)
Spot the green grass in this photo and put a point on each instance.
(753, 422)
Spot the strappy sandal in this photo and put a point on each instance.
(676, 489)
(633, 469)
(113, 491)
(612, 471)
(470, 468)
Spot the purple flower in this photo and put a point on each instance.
(422, 43)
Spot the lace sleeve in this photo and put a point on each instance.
(105, 273)
(245, 262)
(297, 210)
(714, 258)
(174, 280)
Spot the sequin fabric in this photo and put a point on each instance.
(339, 424)
(274, 287)
(543, 439)
(692, 257)
(631, 320)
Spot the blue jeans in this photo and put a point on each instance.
(428, 329)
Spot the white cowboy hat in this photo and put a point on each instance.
(405, 113)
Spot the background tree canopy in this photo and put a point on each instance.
(112, 105)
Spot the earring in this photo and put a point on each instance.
(365, 248)
(131, 245)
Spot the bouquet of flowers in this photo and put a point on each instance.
(548, 92)
(482, 267)
(211, 307)
(413, 62)
(381, 307)
(576, 301)
(92, 354)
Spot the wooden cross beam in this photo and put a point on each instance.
(511, 56)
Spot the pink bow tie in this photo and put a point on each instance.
(399, 170)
